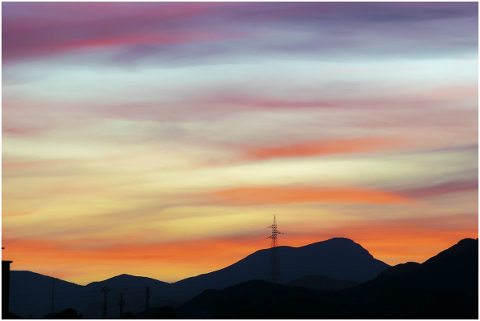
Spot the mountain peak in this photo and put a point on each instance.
(340, 244)
(340, 239)
(466, 242)
(338, 258)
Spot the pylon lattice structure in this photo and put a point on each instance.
(121, 303)
(105, 290)
(274, 268)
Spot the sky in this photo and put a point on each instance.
(159, 139)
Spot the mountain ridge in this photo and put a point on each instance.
(407, 295)
(337, 258)
(295, 262)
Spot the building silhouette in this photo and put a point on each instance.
(5, 289)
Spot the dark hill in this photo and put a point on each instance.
(125, 281)
(337, 258)
(444, 286)
(31, 294)
(453, 269)
(322, 283)
(251, 299)
(425, 291)
(133, 288)
(401, 269)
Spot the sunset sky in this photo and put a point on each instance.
(159, 139)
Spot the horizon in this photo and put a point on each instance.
(160, 139)
(175, 281)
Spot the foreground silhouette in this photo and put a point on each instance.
(445, 286)
(337, 258)
(65, 314)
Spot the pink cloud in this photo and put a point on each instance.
(79, 26)
(291, 195)
(441, 189)
(426, 100)
(324, 147)
(34, 29)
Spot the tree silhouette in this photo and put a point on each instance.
(167, 312)
(128, 315)
(68, 313)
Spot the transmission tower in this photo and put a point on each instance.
(274, 269)
(105, 290)
(121, 303)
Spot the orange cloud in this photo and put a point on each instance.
(16, 214)
(395, 241)
(83, 261)
(17, 164)
(288, 195)
(337, 146)
(164, 261)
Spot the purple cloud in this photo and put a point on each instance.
(441, 189)
(203, 30)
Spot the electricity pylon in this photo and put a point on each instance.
(121, 303)
(274, 269)
(105, 290)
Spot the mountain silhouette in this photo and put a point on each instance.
(337, 258)
(257, 296)
(445, 286)
(322, 283)
(133, 287)
(123, 282)
(455, 269)
(31, 294)
(401, 269)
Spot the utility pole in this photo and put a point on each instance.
(121, 303)
(53, 295)
(105, 291)
(274, 269)
(147, 297)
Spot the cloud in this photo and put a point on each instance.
(48, 29)
(16, 214)
(35, 30)
(18, 163)
(110, 257)
(290, 195)
(316, 148)
(394, 241)
(441, 189)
